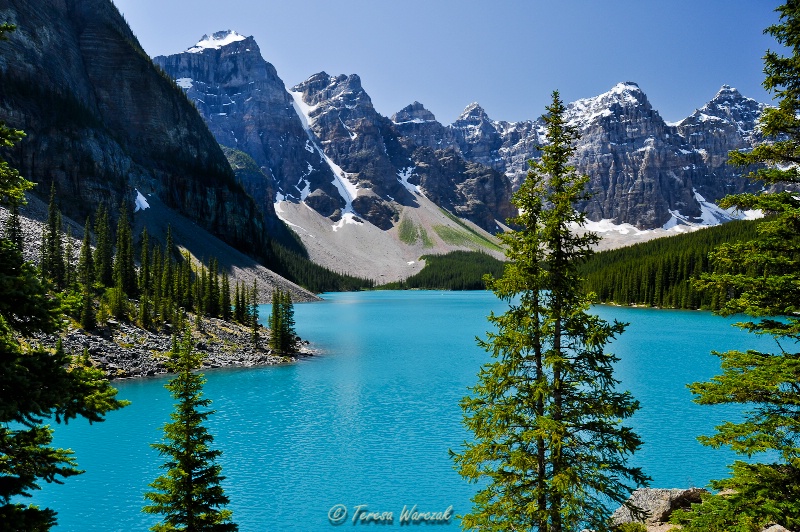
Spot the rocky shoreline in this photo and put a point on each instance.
(658, 505)
(125, 351)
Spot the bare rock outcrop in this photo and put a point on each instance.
(658, 505)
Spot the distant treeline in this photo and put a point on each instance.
(658, 273)
(312, 276)
(457, 270)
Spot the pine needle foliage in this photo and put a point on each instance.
(549, 445)
(761, 278)
(189, 495)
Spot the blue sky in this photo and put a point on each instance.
(508, 55)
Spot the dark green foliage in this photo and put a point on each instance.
(312, 276)
(549, 450)
(283, 338)
(660, 272)
(253, 312)
(13, 227)
(457, 270)
(225, 299)
(124, 269)
(52, 260)
(761, 278)
(189, 494)
(103, 256)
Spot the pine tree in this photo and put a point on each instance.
(85, 270)
(52, 251)
(274, 321)
(124, 268)
(253, 313)
(225, 298)
(104, 273)
(761, 278)
(549, 448)
(13, 226)
(189, 495)
(69, 261)
(37, 385)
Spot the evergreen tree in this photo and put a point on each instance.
(69, 261)
(36, 384)
(549, 447)
(189, 495)
(85, 271)
(104, 273)
(225, 298)
(124, 268)
(52, 263)
(13, 226)
(145, 281)
(85, 279)
(253, 313)
(275, 322)
(761, 278)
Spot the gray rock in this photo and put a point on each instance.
(776, 528)
(658, 504)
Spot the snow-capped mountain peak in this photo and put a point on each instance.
(473, 112)
(729, 106)
(584, 111)
(216, 41)
(415, 113)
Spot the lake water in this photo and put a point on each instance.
(368, 421)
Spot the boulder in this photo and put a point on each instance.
(658, 504)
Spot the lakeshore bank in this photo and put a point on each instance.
(124, 351)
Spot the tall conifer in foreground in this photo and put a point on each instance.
(189, 495)
(761, 278)
(549, 446)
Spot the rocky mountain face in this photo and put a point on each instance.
(323, 143)
(643, 171)
(102, 121)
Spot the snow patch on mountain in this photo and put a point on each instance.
(710, 214)
(403, 176)
(347, 189)
(587, 110)
(141, 202)
(216, 41)
(607, 226)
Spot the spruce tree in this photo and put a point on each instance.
(52, 251)
(549, 446)
(104, 273)
(225, 298)
(761, 278)
(253, 313)
(124, 268)
(38, 386)
(189, 495)
(13, 226)
(274, 321)
(69, 261)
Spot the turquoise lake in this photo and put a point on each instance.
(369, 420)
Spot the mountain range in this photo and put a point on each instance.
(325, 146)
(216, 137)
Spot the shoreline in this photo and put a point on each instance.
(125, 351)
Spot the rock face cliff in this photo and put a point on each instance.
(643, 171)
(323, 143)
(101, 120)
